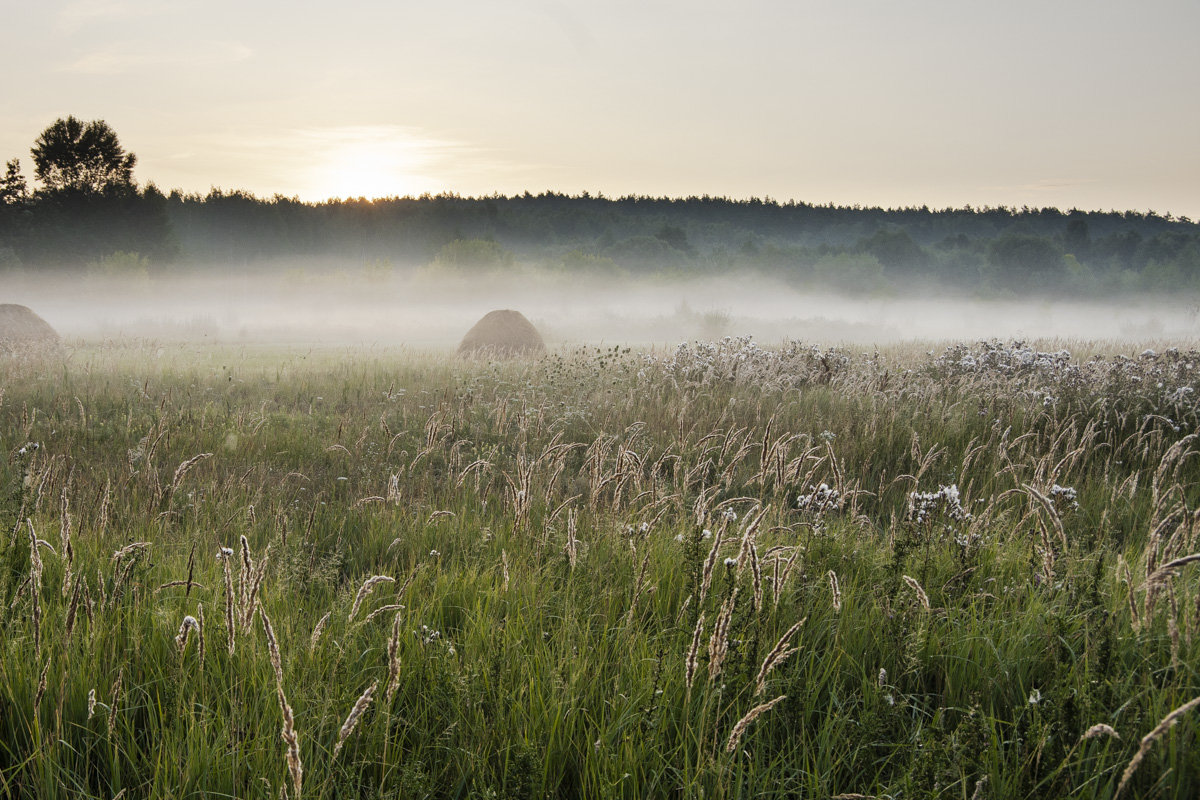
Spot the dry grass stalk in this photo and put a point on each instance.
(129, 550)
(380, 611)
(181, 639)
(835, 591)
(775, 582)
(115, 700)
(272, 645)
(412, 574)
(393, 651)
(119, 582)
(91, 701)
(368, 586)
(571, 548)
(781, 581)
(318, 630)
(105, 505)
(504, 569)
(250, 582)
(20, 592)
(72, 609)
(35, 590)
(637, 589)
(710, 562)
(718, 643)
(364, 501)
(173, 584)
(247, 571)
(1047, 553)
(1150, 738)
(292, 740)
(183, 469)
(288, 732)
(360, 707)
(739, 729)
(693, 657)
(922, 598)
(749, 531)
(779, 653)
(191, 571)
(1098, 730)
(1169, 570)
(225, 556)
(41, 687)
(1048, 506)
(68, 550)
(756, 577)
(1135, 618)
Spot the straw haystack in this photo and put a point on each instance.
(19, 327)
(504, 333)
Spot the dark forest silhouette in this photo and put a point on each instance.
(88, 213)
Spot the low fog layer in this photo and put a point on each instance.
(423, 312)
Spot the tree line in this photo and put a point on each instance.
(88, 212)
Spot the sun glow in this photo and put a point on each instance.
(371, 162)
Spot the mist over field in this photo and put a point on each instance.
(430, 312)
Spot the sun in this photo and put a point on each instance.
(370, 162)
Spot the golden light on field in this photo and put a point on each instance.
(369, 161)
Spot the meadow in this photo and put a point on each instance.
(724, 570)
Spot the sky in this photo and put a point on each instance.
(946, 103)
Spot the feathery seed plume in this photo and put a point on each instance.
(1150, 738)
(740, 728)
(368, 586)
(360, 707)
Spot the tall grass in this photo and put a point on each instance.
(720, 571)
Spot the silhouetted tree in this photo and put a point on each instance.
(82, 157)
(14, 214)
(13, 188)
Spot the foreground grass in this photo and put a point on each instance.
(591, 570)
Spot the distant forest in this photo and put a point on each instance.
(115, 226)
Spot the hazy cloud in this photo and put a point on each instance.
(122, 58)
(81, 12)
(1054, 184)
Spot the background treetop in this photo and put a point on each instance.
(84, 157)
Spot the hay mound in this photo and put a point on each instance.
(19, 326)
(504, 333)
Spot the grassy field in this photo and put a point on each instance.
(721, 571)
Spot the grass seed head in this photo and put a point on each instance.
(360, 707)
(735, 736)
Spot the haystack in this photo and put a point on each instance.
(19, 327)
(503, 333)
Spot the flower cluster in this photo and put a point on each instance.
(945, 503)
(739, 359)
(820, 499)
(1063, 498)
(1012, 358)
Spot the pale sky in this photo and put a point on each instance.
(1094, 105)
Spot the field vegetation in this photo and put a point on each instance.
(719, 571)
